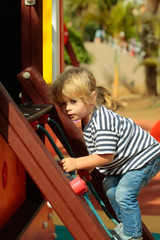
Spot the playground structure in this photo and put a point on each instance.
(31, 180)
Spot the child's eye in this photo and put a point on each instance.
(73, 101)
(63, 103)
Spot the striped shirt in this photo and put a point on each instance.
(109, 133)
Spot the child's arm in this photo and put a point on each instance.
(91, 161)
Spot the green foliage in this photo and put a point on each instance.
(67, 59)
(122, 19)
(104, 5)
(114, 16)
(78, 47)
(89, 31)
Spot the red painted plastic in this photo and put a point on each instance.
(155, 131)
(66, 34)
(34, 125)
(79, 186)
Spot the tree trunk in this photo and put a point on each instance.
(151, 80)
(153, 5)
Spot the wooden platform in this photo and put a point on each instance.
(34, 111)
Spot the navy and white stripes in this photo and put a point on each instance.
(109, 133)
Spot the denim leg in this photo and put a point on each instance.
(126, 197)
(127, 192)
(122, 192)
(118, 190)
(109, 185)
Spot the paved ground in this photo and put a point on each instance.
(131, 77)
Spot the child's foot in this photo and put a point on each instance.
(118, 231)
(131, 238)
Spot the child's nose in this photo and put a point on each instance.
(68, 106)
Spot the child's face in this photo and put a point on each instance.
(76, 109)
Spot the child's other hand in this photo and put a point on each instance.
(68, 164)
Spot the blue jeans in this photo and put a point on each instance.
(122, 192)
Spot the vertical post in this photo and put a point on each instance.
(61, 29)
(47, 40)
(116, 74)
(31, 38)
(55, 40)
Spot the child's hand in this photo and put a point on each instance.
(68, 164)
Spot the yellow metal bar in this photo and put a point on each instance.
(47, 40)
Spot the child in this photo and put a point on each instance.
(127, 155)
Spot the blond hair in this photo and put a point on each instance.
(77, 83)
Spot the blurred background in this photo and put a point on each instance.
(119, 40)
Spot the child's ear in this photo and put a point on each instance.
(94, 97)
